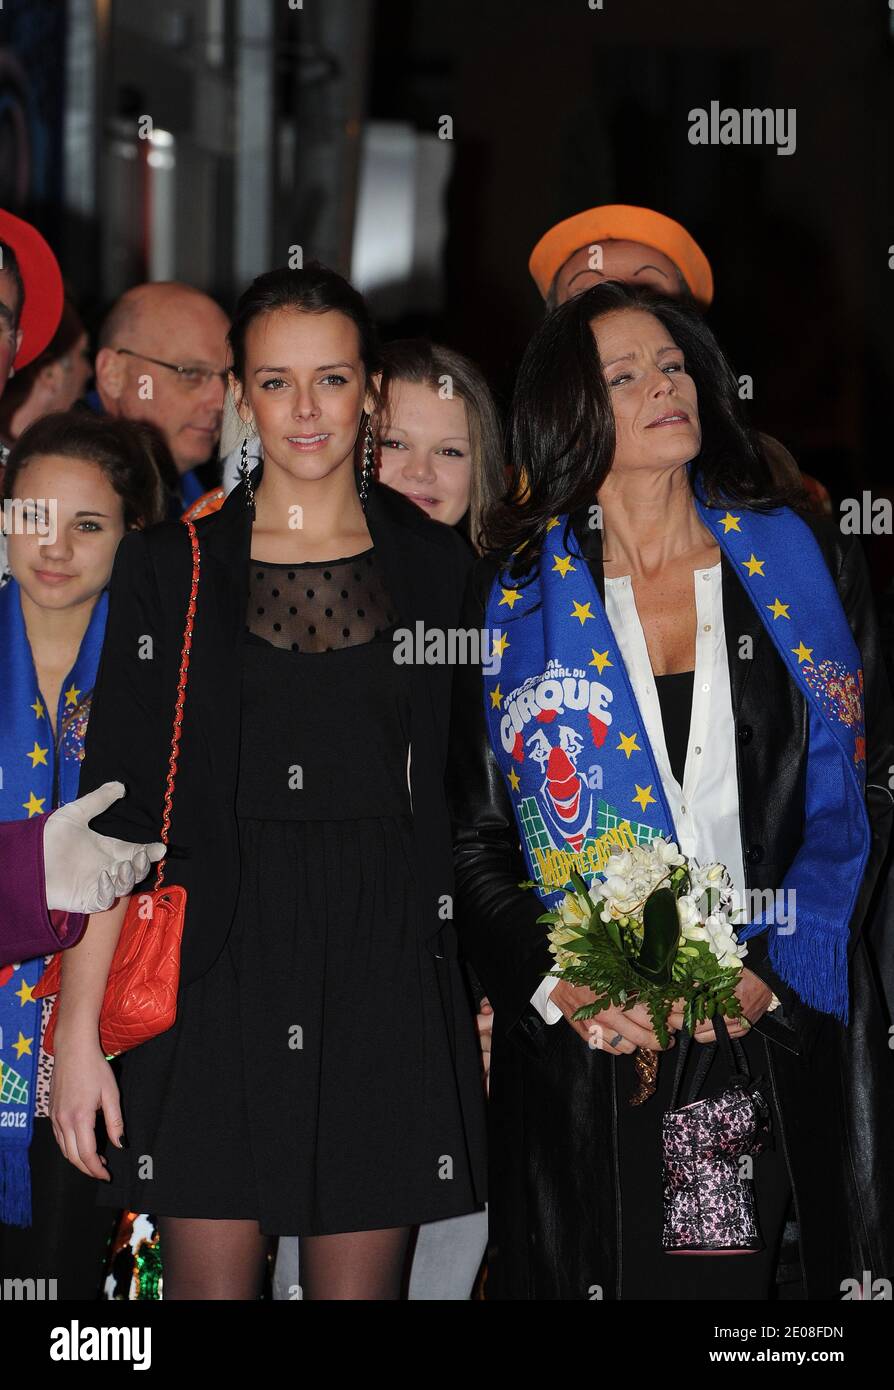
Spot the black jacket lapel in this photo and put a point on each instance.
(225, 545)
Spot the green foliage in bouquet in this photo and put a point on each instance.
(628, 960)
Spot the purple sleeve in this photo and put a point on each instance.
(27, 928)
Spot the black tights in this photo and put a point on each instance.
(206, 1259)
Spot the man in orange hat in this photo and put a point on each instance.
(620, 242)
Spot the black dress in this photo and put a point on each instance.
(646, 1271)
(310, 1086)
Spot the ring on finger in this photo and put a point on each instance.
(613, 1042)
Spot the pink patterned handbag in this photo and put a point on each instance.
(709, 1206)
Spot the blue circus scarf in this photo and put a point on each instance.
(572, 744)
(37, 774)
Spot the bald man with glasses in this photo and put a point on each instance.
(162, 358)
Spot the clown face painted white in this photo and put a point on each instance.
(566, 798)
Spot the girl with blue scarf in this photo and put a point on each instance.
(72, 486)
(680, 653)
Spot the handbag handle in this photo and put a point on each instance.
(181, 698)
(732, 1050)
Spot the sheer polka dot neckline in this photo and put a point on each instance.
(319, 605)
(311, 564)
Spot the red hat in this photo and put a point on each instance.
(42, 279)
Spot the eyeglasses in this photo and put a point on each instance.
(191, 378)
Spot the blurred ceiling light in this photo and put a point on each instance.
(161, 156)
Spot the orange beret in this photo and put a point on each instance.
(619, 222)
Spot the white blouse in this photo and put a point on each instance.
(705, 809)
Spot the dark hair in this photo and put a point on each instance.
(126, 451)
(313, 290)
(424, 363)
(562, 432)
(10, 263)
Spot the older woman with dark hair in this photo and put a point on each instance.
(710, 670)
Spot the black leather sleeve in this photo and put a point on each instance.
(496, 919)
(856, 598)
(795, 1024)
(845, 558)
(781, 1024)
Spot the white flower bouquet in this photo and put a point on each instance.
(655, 931)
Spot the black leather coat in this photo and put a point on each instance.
(554, 1173)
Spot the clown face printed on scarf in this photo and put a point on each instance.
(566, 800)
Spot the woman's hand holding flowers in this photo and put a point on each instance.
(633, 1024)
(755, 998)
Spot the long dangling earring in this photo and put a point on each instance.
(243, 469)
(367, 470)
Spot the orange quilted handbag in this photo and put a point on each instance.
(141, 992)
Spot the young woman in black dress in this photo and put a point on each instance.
(322, 1077)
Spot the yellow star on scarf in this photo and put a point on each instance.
(34, 805)
(643, 795)
(628, 745)
(600, 660)
(730, 523)
(553, 521)
(25, 993)
(501, 643)
(754, 566)
(514, 779)
(582, 611)
(496, 696)
(23, 1044)
(562, 565)
(71, 695)
(510, 596)
(38, 755)
(803, 653)
(779, 610)
(38, 709)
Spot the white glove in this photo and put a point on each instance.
(85, 871)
